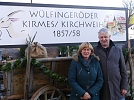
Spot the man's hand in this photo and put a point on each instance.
(123, 91)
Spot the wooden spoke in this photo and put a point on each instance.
(48, 92)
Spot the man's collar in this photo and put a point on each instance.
(111, 43)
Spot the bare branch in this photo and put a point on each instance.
(130, 5)
(30, 41)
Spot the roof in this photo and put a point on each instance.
(130, 25)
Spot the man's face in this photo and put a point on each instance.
(104, 39)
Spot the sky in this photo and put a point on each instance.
(105, 3)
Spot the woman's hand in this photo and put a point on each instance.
(86, 96)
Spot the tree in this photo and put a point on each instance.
(131, 19)
(130, 5)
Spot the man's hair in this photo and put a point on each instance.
(103, 30)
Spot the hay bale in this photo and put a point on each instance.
(52, 52)
(12, 53)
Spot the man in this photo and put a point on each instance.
(113, 68)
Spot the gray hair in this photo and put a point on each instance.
(103, 30)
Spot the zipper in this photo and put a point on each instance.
(80, 71)
(95, 71)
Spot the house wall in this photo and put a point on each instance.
(131, 32)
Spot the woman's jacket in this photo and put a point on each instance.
(85, 77)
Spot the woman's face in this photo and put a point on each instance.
(86, 53)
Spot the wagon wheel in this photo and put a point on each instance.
(48, 92)
(129, 65)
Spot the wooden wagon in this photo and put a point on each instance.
(42, 85)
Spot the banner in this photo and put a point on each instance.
(59, 24)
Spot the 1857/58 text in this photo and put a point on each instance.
(66, 33)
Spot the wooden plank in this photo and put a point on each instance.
(53, 67)
(54, 59)
(31, 80)
(5, 80)
(48, 65)
(14, 97)
(9, 83)
(18, 83)
(27, 76)
(62, 67)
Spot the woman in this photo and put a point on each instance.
(85, 75)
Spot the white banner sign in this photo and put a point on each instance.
(56, 25)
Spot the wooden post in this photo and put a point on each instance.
(68, 54)
(27, 76)
(130, 65)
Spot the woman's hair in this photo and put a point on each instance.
(85, 45)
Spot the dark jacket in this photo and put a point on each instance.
(85, 77)
(114, 72)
